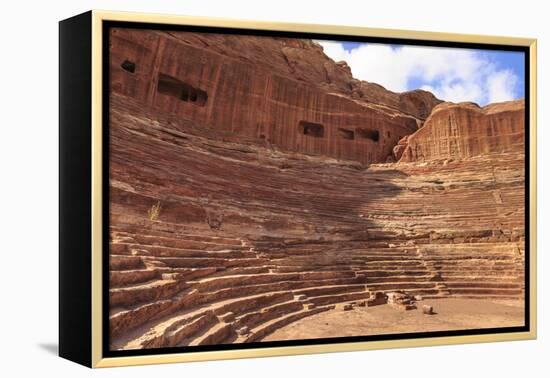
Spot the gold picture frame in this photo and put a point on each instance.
(82, 255)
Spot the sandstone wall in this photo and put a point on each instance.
(466, 130)
(249, 238)
(247, 98)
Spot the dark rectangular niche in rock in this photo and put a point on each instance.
(311, 129)
(171, 86)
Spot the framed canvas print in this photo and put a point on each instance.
(236, 189)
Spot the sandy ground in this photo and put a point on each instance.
(450, 314)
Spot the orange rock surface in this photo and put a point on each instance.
(238, 205)
(282, 92)
(466, 130)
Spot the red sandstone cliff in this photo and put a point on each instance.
(466, 130)
(305, 61)
(287, 93)
(283, 92)
(252, 234)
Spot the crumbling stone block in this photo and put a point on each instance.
(243, 331)
(378, 298)
(428, 310)
(227, 317)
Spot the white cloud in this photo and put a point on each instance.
(501, 85)
(451, 74)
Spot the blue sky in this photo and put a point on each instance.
(452, 74)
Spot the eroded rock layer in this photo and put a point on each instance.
(271, 237)
(465, 130)
(282, 92)
(220, 236)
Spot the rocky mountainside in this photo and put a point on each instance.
(466, 130)
(304, 61)
(280, 92)
(250, 187)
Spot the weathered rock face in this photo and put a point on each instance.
(284, 92)
(466, 130)
(220, 236)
